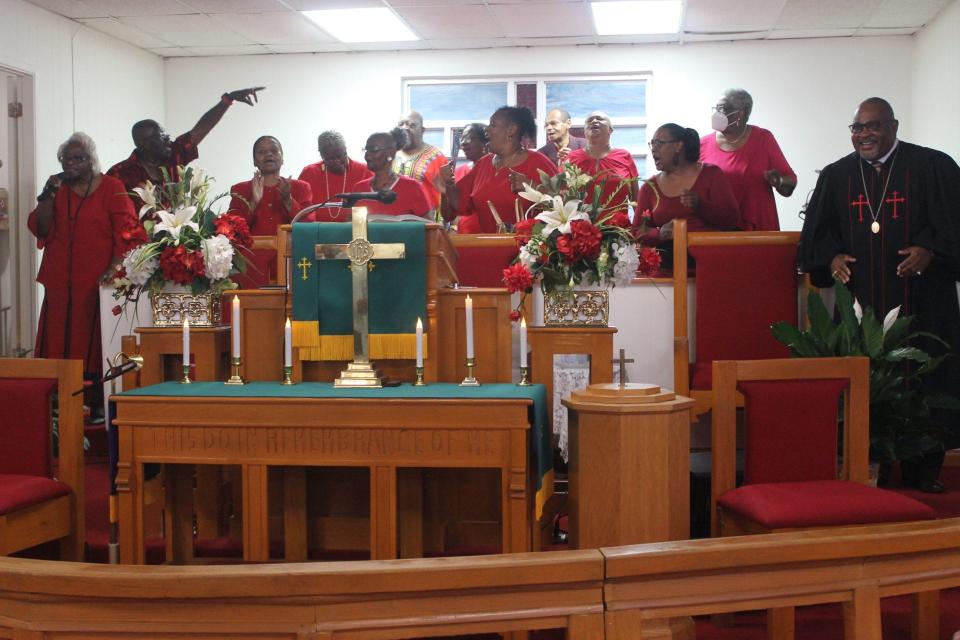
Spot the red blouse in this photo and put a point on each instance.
(485, 185)
(411, 198)
(610, 172)
(270, 212)
(717, 210)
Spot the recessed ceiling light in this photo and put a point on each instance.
(637, 17)
(362, 25)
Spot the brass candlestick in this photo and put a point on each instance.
(470, 381)
(419, 382)
(524, 379)
(287, 375)
(235, 378)
(186, 375)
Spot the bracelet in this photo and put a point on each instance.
(226, 99)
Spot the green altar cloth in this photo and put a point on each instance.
(323, 302)
(541, 444)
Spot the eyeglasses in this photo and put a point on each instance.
(873, 126)
(74, 158)
(656, 144)
(376, 149)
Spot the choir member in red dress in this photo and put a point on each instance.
(267, 201)
(613, 169)
(154, 150)
(411, 197)
(84, 222)
(336, 173)
(419, 160)
(751, 159)
(489, 191)
(685, 188)
(473, 142)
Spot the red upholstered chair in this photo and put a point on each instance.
(792, 478)
(35, 507)
(483, 257)
(746, 281)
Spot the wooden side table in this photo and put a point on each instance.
(210, 347)
(546, 342)
(629, 476)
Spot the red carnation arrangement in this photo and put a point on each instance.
(523, 231)
(586, 239)
(234, 228)
(649, 261)
(181, 265)
(518, 277)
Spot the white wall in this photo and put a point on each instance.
(81, 80)
(85, 81)
(804, 90)
(936, 83)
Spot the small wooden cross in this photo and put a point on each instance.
(304, 264)
(623, 361)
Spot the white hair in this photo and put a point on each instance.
(85, 142)
(740, 100)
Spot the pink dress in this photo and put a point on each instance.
(717, 210)
(744, 169)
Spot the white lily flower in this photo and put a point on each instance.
(198, 179)
(531, 194)
(174, 223)
(561, 215)
(857, 310)
(890, 319)
(147, 193)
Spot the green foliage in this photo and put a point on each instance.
(902, 420)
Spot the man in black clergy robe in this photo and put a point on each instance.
(884, 221)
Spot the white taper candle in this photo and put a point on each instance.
(186, 342)
(235, 321)
(287, 344)
(523, 342)
(469, 311)
(419, 343)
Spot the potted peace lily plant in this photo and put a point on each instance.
(568, 239)
(905, 420)
(188, 254)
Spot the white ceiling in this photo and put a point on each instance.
(238, 27)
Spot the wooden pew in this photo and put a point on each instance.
(386, 599)
(853, 566)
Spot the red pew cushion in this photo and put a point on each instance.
(18, 491)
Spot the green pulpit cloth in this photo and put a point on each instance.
(323, 298)
(540, 444)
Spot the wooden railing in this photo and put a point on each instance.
(594, 594)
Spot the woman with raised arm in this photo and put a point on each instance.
(489, 190)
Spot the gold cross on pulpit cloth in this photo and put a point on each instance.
(623, 361)
(360, 251)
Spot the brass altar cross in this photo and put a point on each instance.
(359, 252)
(623, 361)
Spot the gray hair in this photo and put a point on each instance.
(85, 142)
(740, 100)
(331, 138)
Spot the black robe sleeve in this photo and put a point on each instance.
(941, 202)
(820, 238)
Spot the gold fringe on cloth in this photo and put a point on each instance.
(544, 492)
(387, 346)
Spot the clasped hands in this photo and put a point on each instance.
(914, 264)
(283, 186)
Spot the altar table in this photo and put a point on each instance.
(264, 424)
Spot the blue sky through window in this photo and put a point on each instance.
(463, 102)
(619, 98)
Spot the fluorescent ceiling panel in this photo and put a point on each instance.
(636, 17)
(362, 25)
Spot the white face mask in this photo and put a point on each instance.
(719, 121)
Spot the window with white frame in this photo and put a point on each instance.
(448, 104)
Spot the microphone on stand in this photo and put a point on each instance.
(348, 200)
(383, 195)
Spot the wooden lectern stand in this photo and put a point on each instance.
(629, 477)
